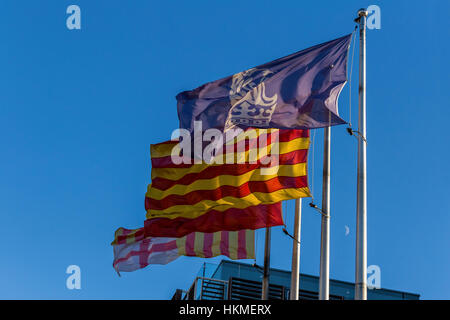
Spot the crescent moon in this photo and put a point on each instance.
(347, 230)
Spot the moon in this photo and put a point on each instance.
(347, 230)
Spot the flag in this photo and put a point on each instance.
(299, 91)
(133, 250)
(232, 219)
(184, 198)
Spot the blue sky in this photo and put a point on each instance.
(80, 108)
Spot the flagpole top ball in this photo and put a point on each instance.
(362, 12)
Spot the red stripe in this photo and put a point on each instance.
(233, 219)
(144, 252)
(224, 243)
(284, 135)
(174, 142)
(207, 245)
(166, 162)
(210, 172)
(126, 231)
(191, 198)
(190, 242)
(242, 244)
(166, 246)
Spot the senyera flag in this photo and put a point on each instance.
(299, 91)
(134, 250)
(209, 197)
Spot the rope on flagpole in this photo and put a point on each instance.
(283, 212)
(285, 226)
(312, 166)
(350, 80)
(290, 236)
(312, 204)
(350, 131)
(358, 134)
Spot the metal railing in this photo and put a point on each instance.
(207, 289)
(243, 289)
(311, 295)
(239, 289)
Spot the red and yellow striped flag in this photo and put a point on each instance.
(203, 197)
(132, 250)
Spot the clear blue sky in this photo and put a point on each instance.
(79, 109)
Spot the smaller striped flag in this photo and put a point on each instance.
(133, 250)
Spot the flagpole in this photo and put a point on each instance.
(295, 270)
(361, 202)
(265, 284)
(324, 278)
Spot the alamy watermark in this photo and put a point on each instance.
(374, 277)
(234, 146)
(74, 20)
(374, 17)
(74, 280)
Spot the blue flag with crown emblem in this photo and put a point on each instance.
(299, 91)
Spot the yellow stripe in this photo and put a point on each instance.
(181, 245)
(215, 247)
(165, 150)
(297, 170)
(118, 232)
(233, 244)
(256, 198)
(198, 244)
(130, 238)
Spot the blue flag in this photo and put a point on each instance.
(299, 91)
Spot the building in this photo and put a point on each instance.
(231, 280)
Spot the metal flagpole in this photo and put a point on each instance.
(324, 278)
(361, 202)
(265, 284)
(295, 270)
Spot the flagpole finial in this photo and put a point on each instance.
(362, 12)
